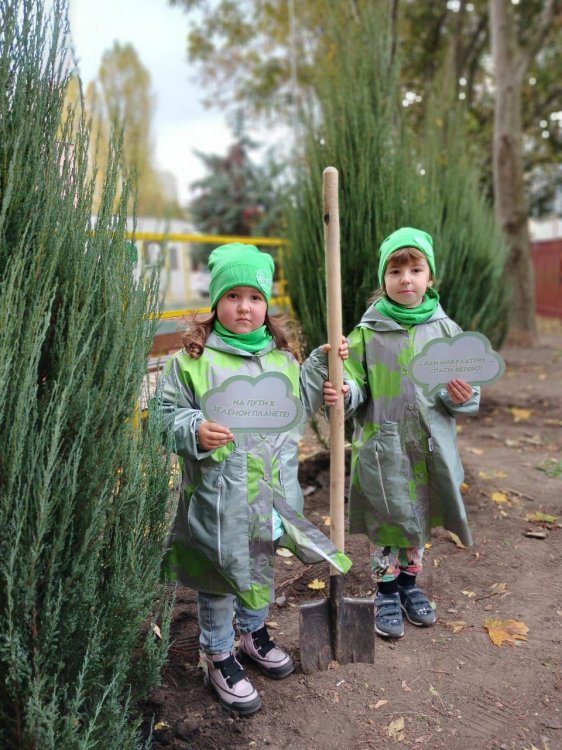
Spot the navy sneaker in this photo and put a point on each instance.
(388, 616)
(416, 606)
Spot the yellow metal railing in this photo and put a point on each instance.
(185, 272)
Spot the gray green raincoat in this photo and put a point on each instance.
(222, 537)
(406, 471)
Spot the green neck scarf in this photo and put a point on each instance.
(252, 342)
(409, 315)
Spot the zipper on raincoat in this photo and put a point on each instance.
(218, 514)
(380, 478)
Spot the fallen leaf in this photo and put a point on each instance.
(536, 534)
(454, 538)
(316, 584)
(380, 703)
(493, 474)
(499, 588)
(156, 630)
(309, 490)
(511, 443)
(455, 626)
(273, 624)
(507, 631)
(283, 552)
(161, 725)
(520, 415)
(470, 594)
(465, 488)
(406, 687)
(434, 692)
(327, 520)
(428, 545)
(396, 729)
(499, 497)
(476, 451)
(539, 517)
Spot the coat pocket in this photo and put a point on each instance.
(384, 475)
(204, 515)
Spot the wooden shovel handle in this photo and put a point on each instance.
(335, 364)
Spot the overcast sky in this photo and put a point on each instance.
(158, 33)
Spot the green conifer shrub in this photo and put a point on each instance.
(83, 489)
(389, 177)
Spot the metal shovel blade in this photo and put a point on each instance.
(336, 629)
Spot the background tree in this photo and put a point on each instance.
(238, 196)
(83, 490)
(268, 54)
(512, 59)
(120, 98)
(389, 177)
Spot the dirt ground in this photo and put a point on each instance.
(444, 687)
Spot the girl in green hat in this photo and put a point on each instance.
(406, 470)
(240, 495)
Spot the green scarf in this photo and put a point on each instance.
(252, 342)
(409, 315)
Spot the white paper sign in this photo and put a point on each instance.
(468, 356)
(262, 404)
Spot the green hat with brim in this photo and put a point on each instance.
(237, 264)
(406, 237)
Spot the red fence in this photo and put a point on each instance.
(547, 260)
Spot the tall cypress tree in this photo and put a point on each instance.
(83, 488)
(389, 177)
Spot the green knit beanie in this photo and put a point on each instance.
(406, 237)
(236, 264)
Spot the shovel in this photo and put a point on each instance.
(337, 628)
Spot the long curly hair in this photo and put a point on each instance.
(281, 327)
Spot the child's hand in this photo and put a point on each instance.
(213, 435)
(331, 395)
(459, 391)
(343, 349)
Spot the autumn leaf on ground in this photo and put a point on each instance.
(406, 687)
(455, 538)
(505, 631)
(499, 588)
(499, 497)
(470, 594)
(396, 729)
(540, 518)
(378, 704)
(464, 488)
(316, 584)
(520, 415)
(455, 626)
(476, 451)
(156, 630)
(283, 552)
(327, 520)
(161, 725)
(493, 474)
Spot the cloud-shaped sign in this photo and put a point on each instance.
(262, 404)
(467, 356)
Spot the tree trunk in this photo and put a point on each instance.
(509, 192)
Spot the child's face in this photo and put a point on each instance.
(242, 309)
(406, 283)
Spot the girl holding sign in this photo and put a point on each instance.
(236, 402)
(406, 470)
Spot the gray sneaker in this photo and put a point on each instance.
(388, 616)
(416, 606)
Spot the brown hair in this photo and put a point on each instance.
(281, 327)
(399, 257)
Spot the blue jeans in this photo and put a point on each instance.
(216, 612)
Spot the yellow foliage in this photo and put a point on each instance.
(505, 631)
(316, 584)
(520, 415)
